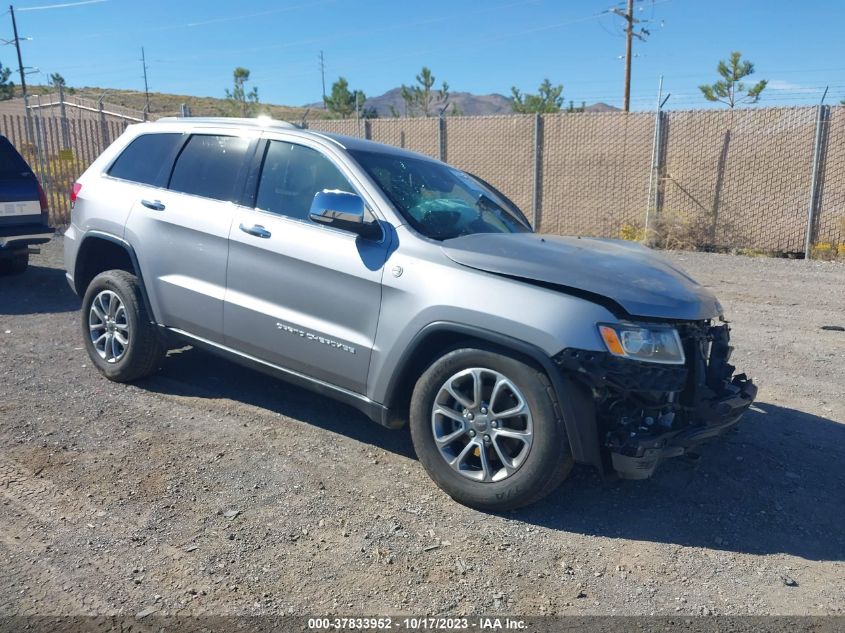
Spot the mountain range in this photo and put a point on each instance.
(467, 103)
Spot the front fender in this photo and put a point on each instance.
(576, 403)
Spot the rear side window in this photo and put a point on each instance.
(209, 166)
(143, 159)
(292, 176)
(11, 163)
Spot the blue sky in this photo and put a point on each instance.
(480, 47)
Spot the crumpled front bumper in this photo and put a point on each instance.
(648, 412)
(640, 458)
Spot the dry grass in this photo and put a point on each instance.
(162, 104)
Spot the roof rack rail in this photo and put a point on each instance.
(222, 120)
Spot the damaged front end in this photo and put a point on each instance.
(648, 411)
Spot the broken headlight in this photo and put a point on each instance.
(655, 344)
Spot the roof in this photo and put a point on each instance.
(347, 142)
(356, 143)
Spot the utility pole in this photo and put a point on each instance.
(21, 71)
(323, 75)
(629, 35)
(146, 86)
(18, 47)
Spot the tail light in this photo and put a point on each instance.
(45, 208)
(74, 193)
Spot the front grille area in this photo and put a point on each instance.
(602, 369)
(636, 400)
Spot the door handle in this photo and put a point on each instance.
(155, 205)
(256, 229)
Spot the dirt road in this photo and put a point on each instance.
(211, 489)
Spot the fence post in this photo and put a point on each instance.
(441, 137)
(27, 123)
(104, 133)
(40, 143)
(656, 159)
(537, 175)
(818, 148)
(63, 114)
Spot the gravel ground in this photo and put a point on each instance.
(211, 489)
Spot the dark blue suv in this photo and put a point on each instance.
(23, 210)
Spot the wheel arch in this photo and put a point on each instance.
(99, 252)
(432, 341)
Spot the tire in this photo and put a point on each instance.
(530, 475)
(15, 265)
(139, 347)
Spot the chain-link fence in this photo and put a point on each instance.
(753, 179)
(829, 224)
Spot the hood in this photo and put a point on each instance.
(636, 278)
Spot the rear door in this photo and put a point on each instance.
(20, 200)
(182, 232)
(302, 295)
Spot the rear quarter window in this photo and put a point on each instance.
(11, 163)
(209, 166)
(144, 158)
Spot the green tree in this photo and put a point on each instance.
(243, 102)
(730, 89)
(422, 98)
(57, 81)
(342, 101)
(7, 88)
(549, 98)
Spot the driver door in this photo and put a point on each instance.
(298, 294)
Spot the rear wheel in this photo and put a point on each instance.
(488, 430)
(119, 337)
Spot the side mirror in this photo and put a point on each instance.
(343, 210)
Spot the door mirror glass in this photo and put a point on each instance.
(343, 210)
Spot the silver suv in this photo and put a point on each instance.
(410, 289)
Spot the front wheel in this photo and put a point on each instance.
(488, 430)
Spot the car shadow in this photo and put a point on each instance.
(197, 373)
(39, 290)
(773, 486)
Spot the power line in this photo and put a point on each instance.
(61, 6)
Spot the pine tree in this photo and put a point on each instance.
(422, 98)
(548, 99)
(343, 101)
(730, 89)
(243, 102)
(7, 88)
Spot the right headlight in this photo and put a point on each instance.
(654, 344)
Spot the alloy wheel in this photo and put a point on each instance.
(482, 425)
(108, 326)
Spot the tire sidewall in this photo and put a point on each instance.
(128, 294)
(549, 446)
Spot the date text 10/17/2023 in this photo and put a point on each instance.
(415, 624)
